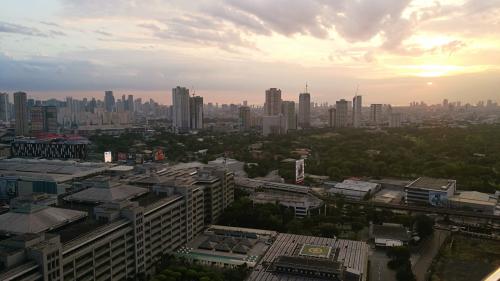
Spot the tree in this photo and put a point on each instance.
(424, 226)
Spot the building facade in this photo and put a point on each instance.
(289, 115)
(21, 113)
(196, 112)
(357, 103)
(272, 106)
(180, 109)
(341, 114)
(304, 110)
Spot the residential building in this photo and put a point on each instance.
(21, 110)
(395, 120)
(376, 114)
(331, 117)
(357, 104)
(304, 110)
(273, 125)
(4, 107)
(289, 115)
(196, 112)
(180, 109)
(109, 101)
(341, 113)
(43, 119)
(244, 118)
(272, 106)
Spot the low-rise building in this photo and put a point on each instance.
(389, 235)
(474, 201)
(353, 189)
(430, 191)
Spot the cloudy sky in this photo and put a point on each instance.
(396, 51)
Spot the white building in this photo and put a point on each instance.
(354, 189)
(430, 191)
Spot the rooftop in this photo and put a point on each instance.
(431, 183)
(107, 194)
(356, 185)
(474, 197)
(389, 231)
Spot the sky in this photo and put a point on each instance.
(389, 51)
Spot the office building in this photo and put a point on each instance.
(196, 112)
(341, 113)
(43, 119)
(109, 101)
(288, 110)
(244, 118)
(51, 146)
(21, 110)
(272, 106)
(300, 257)
(430, 191)
(130, 103)
(304, 110)
(4, 107)
(357, 104)
(180, 109)
(331, 117)
(114, 240)
(376, 114)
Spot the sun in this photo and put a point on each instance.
(429, 83)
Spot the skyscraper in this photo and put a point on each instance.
(244, 118)
(4, 107)
(304, 110)
(356, 111)
(21, 110)
(376, 114)
(273, 102)
(43, 119)
(196, 112)
(289, 115)
(341, 112)
(109, 101)
(180, 109)
(130, 103)
(331, 117)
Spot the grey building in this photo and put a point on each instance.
(180, 109)
(4, 107)
(288, 110)
(244, 118)
(196, 112)
(304, 110)
(430, 191)
(21, 110)
(357, 106)
(341, 114)
(109, 101)
(272, 106)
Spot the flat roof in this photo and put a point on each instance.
(107, 194)
(356, 185)
(431, 183)
(390, 231)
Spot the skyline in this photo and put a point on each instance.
(229, 50)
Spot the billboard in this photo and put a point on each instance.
(159, 155)
(107, 157)
(438, 199)
(299, 171)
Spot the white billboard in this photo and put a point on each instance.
(107, 157)
(299, 171)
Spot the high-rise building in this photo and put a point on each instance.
(196, 112)
(357, 104)
(43, 119)
(21, 110)
(244, 118)
(289, 115)
(331, 117)
(376, 114)
(273, 125)
(395, 120)
(272, 106)
(4, 107)
(130, 103)
(109, 101)
(304, 110)
(341, 113)
(180, 109)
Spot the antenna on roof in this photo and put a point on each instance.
(357, 88)
(306, 88)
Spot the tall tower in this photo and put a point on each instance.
(244, 118)
(109, 101)
(289, 115)
(272, 106)
(376, 114)
(305, 110)
(180, 109)
(341, 112)
(196, 112)
(21, 114)
(357, 105)
(4, 107)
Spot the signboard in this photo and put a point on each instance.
(107, 157)
(299, 171)
(438, 199)
(159, 155)
(122, 156)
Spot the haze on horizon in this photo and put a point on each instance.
(397, 51)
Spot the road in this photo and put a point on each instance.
(429, 249)
(378, 266)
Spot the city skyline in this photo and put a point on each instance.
(396, 51)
